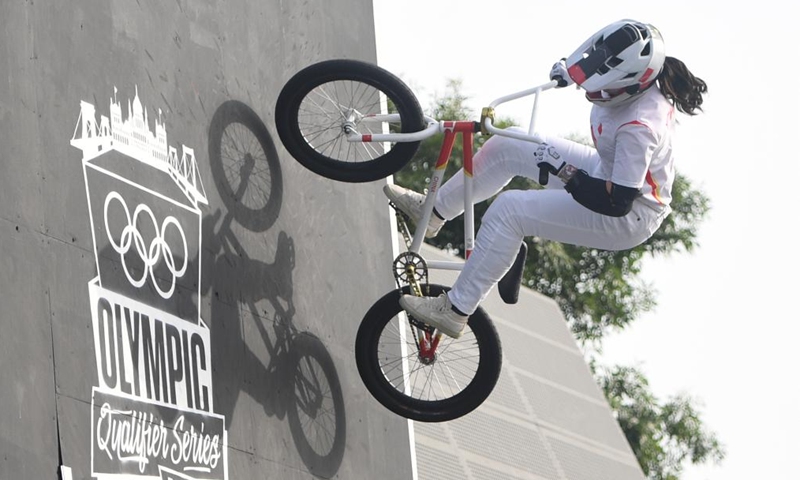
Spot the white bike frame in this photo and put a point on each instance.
(450, 129)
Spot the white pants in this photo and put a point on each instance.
(550, 214)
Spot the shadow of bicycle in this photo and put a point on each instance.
(290, 373)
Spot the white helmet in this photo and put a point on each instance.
(624, 55)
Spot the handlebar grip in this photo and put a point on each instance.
(560, 80)
(544, 176)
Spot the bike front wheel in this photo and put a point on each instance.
(437, 388)
(320, 103)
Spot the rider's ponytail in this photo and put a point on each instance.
(681, 87)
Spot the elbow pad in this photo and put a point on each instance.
(591, 193)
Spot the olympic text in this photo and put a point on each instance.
(147, 353)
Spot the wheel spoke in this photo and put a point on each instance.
(324, 112)
(455, 364)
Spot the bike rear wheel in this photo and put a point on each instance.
(459, 378)
(316, 104)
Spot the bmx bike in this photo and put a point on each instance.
(352, 121)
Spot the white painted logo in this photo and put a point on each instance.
(149, 255)
(132, 137)
(152, 410)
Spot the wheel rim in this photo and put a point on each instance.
(452, 370)
(331, 108)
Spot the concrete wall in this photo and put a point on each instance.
(245, 362)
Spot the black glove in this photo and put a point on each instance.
(559, 73)
(549, 161)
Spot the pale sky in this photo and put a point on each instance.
(726, 326)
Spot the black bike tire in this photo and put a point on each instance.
(471, 397)
(287, 109)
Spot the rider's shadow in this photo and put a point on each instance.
(250, 297)
(256, 347)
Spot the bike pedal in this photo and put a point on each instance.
(509, 285)
(421, 325)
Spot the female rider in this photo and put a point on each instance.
(611, 197)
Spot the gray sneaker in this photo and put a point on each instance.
(435, 311)
(410, 203)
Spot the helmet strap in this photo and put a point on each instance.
(632, 89)
(638, 87)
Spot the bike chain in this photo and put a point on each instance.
(410, 269)
(402, 225)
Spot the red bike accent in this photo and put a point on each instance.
(427, 348)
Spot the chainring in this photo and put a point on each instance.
(410, 267)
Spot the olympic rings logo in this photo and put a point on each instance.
(150, 255)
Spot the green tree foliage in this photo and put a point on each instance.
(598, 291)
(664, 436)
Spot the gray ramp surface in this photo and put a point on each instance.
(180, 297)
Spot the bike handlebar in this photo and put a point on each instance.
(434, 127)
(524, 93)
(531, 136)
